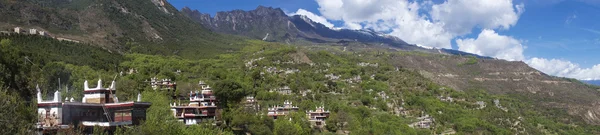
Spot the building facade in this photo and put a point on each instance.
(317, 117)
(286, 109)
(162, 84)
(202, 106)
(99, 107)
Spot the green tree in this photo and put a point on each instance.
(284, 127)
(16, 117)
(229, 92)
(5, 43)
(159, 117)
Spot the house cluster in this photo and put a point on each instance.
(317, 117)
(355, 79)
(201, 107)
(382, 95)
(250, 64)
(277, 111)
(425, 121)
(365, 64)
(131, 71)
(497, 103)
(99, 107)
(32, 31)
(251, 103)
(285, 90)
(332, 76)
(446, 98)
(274, 70)
(163, 84)
(481, 104)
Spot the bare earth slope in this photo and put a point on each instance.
(505, 77)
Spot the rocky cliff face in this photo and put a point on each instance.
(255, 23)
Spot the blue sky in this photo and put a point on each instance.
(558, 37)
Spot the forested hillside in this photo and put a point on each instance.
(132, 26)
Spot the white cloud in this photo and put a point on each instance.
(564, 68)
(436, 25)
(489, 43)
(352, 25)
(314, 17)
(407, 20)
(461, 16)
(399, 17)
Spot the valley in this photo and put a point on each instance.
(269, 73)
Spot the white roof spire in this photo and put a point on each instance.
(39, 93)
(139, 97)
(37, 87)
(113, 85)
(85, 85)
(99, 83)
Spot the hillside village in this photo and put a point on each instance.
(173, 76)
(314, 103)
(318, 89)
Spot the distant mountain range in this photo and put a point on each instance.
(281, 27)
(592, 82)
(272, 24)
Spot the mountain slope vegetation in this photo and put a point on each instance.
(142, 26)
(358, 107)
(369, 89)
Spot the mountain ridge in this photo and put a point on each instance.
(592, 82)
(272, 24)
(143, 26)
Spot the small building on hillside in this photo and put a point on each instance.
(332, 76)
(285, 90)
(423, 122)
(99, 107)
(251, 104)
(18, 30)
(317, 117)
(43, 33)
(163, 84)
(284, 110)
(33, 31)
(202, 107)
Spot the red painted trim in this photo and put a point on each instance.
(194, 107)
(95, 91)
(119, 105)
(48, 104)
